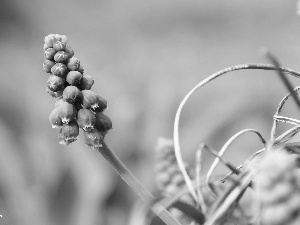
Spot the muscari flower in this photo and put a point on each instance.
(86, 82)
(102, 104)
(68, 133)
(70, 51)
(72, 94)
(73, 63)
(59, 69)
(55, 83)
(54, 119)
(93, 138)
(49, 40)
(47, 65)
(54, 94)
(67, 112)
(80, 69)
(93, 101)
(61, 57)
(74, 77)
(49, 53)
(59, 46)
(86, 119)
(103, 123)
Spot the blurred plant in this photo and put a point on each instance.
(169, 178)
(278, 188)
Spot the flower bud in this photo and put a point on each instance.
(74, 77)
(56, 38)
(49, 53)
(70, 51)
(45, 47)
(59, 69)
(68, 133)
(54, 119)
(58, 102)
(47, 65)
(59, 46)
(80, 69)
(61, 57)
(67, 112)
(64, 39)
(103, 122)
(102, 104)
(72, 94)
(93, 101)
(86, 119)
(49, 40)
(86, 82)
(54, 94)
(73, 63)
(90, 99)
(93, 138)
(55, 83)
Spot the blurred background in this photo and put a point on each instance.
(144, 57)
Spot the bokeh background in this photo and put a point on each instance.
(144, 56)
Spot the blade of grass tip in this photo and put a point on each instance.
(225, 147)
(284, 79)
(226, 163)
(286, 136)
(242, 165)
(231, 173)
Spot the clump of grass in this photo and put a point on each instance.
(228, 202)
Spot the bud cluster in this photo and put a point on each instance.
(77, 106)
(278, 186)
(169, 178)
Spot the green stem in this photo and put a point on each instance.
(136, 185)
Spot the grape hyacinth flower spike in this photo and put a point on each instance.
(77, 106)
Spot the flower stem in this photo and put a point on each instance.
(136, 185)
